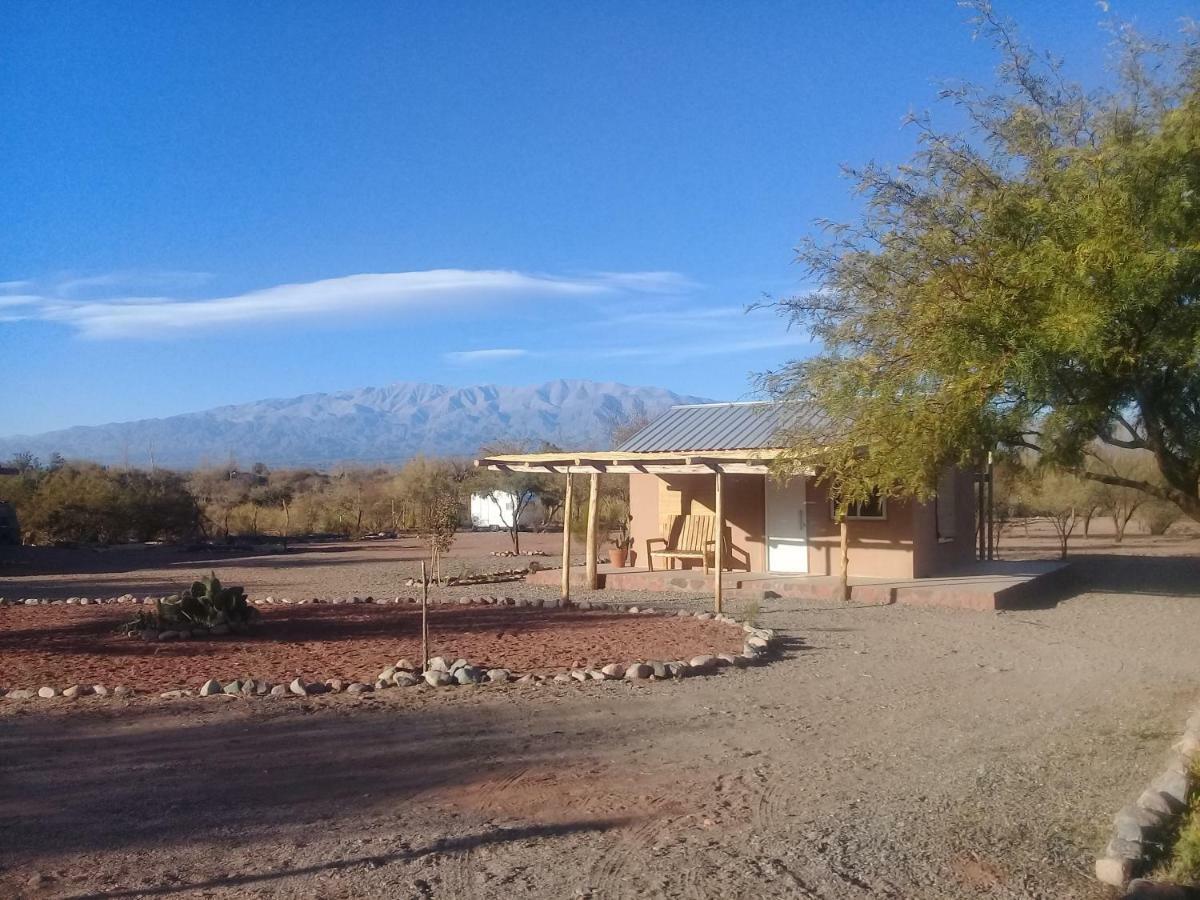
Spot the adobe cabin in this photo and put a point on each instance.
(702, 464)
(789, 528)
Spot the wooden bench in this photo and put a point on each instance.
(684, 537)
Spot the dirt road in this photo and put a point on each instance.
(894, 752)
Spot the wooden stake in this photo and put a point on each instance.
(593, 580)
(424, 618)
(566, 551)
(845, 542)
(719, 547)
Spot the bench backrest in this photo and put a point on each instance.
(688, 534)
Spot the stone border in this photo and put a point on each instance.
(1138, 827)
(758, 646)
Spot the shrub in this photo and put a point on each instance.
(205, 604)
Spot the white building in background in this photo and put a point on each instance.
(495, 510)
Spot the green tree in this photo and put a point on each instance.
(1030, 282)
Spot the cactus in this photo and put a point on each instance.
(205, 603)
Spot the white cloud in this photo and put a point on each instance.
(145, 280)
(352, 295)
(491, 355)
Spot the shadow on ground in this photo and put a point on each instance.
(128, 780)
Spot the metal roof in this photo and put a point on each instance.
(728, 426)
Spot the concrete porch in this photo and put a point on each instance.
(999, 584)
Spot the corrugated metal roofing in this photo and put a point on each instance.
(726, 426)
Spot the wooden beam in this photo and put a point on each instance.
(844, 534)
(593, 580)
(719, 548)
(565, 593)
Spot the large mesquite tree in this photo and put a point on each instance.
(1033, 281)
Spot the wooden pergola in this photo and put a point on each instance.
(717, 463)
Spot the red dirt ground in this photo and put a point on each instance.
(62, 645)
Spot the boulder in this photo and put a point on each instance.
(387, 674)
(76, 690)
(613, 670)
(234, 687)
(458, 664)
(562, 677)
(437, 678)
(467, 675)
(21, 694)
(1174, 786)
(121, 691)
(1133, 823)
(702, 664)
(357, 687)
(498, 676)
(298, 687)
(638, 671)
(263, 688)
(404, 665)
(211, 687)
(1113, 870)
(439, 664)
(725, 659)
(335, 685)
(279, 690)
(99, 690)
(596, 675)
(579, 674)
(383, 685)
(679, 669)
(406, 679)
(47, 692)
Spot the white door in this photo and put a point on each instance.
(787, 526)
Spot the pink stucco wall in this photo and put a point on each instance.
(904, 545)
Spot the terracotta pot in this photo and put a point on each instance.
(618, 557)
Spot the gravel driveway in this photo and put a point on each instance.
(893, 752)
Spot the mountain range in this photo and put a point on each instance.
(377, 425)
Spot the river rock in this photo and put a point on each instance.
(613, 670)
(467, 675)
(99, 690)
(76, 690)
(498, 676)
(357, 687)
(438, 678)
(387, 674)
(638, 671)
(438, 664)
(47, 692)
(21, 694)
(406, 679)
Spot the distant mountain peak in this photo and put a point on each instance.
(383, 424)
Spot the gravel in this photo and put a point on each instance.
(892, 752)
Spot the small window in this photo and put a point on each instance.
(874, 508)
(947, 517)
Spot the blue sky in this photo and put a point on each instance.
(215, 202)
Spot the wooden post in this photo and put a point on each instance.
(566, 550)
(844, 532)
(424, 618)
(981, 511)
(593, 580)
(719, 547)
(991, 502)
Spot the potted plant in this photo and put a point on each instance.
(622, 544)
